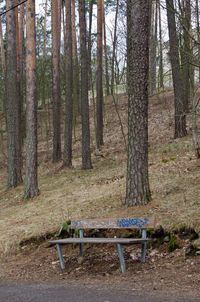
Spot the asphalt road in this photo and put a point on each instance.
(68, 293)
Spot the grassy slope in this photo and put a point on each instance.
(67, 194)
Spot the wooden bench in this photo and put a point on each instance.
(141, 224)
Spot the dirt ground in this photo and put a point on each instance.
(163, 272)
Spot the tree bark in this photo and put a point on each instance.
(86, 154)
(180, 115)
(31, 181)
(13, 102)
(56, 96)
(67, 154)
(138, 22)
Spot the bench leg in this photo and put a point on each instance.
(144, 246)
(60, 256)
(81, 244)
(121, 257)
(144, 251)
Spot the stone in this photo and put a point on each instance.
(80, 260)
(196, 244)
(166, 239)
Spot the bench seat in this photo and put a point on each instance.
(98, 240)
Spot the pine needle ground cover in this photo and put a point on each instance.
(69, 194)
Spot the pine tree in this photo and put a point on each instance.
(179, 104)
(56, 35)
(31, 181)
(86, 154)
(67, 153)
(13, 102)
(99, 76)
(137, 185)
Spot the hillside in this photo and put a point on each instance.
(67, 194)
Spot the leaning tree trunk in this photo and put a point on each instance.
(86, 154)
(99, 77)
(13, 102)
(56, 32)
(137, 184)
(31, 181)
(67, 153)
(180, 115)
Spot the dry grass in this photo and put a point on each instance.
(69, 194)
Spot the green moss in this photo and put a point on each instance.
(65, 228)
(172, 244)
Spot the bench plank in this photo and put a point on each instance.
(99, 240)
(118, 223)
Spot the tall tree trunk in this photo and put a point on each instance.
(67, 154)
(76, 88)
(86, 154)
(180, 116)
(137, 185)
(161, 80)
(153, 48)
(12, 108)
(44, 86)
(31, 181)
(3, 65)
(91, 4)
(198, 32)
(106, 54)
(186, 67)
(3, 57)
(21, 69)
(44, 61)
(99, 77)
(19, 92)
(114, 49)
(56, 35)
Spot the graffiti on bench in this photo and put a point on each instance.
(132, 222)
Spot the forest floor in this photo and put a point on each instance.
(71, 194)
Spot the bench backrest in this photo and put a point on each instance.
(117, 223)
